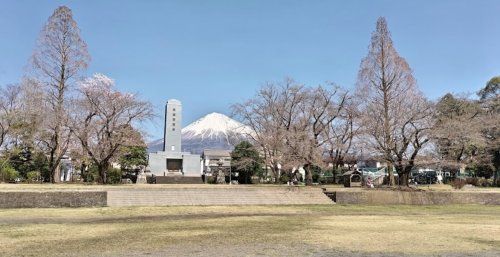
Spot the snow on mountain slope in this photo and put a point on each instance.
(213, 131)
(155, 145)
(214, 125)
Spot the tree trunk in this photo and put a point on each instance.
(399, 171)
(54, 168)
(57, 164)
(103, 172)
(57, 151)
(404, 173)
(496, 166)
(83, 172)
(309, 178)
(57, 173)
(390, 174)
(334, 174)
(403, 179)
(276, 173)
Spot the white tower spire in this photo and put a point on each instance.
(173, 120)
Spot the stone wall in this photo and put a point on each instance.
(52, 199)
(232, 195)
(381, 197)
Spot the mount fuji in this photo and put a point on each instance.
(212, 131)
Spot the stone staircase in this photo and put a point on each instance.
(238, 195)
(332, 195)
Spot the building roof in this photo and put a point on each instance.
(350, 172)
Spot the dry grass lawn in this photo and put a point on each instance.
(252, 231)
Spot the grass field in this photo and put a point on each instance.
(252, 231)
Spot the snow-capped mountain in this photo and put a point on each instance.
(213, 131)
(155, 146)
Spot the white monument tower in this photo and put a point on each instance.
(173, 121)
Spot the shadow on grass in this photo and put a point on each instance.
(160, 232)
(140, 218)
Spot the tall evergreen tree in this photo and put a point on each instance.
(246, 161)
(457, 132)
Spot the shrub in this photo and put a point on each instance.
(485, 182)
(315, 177)
(256, 180)
(284, 178)
(458, 183)
(481, 170)
(210, 179)
(472, 181)
(90, 175)
(114, 176)
(479, 182)
(7, 173)
(33, 176)
(266, 180)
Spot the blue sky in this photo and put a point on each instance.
(210, 54)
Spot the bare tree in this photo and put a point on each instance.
(60, 55)
(290, 122)
(395, 113)
(342, 133)
(10, 111)
(103, 121)
(29, 113)
(20, 113)
(308, 137)
(271, 114)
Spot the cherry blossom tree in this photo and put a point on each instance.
(104, 120)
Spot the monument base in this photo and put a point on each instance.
(178, 180)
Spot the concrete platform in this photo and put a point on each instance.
(215, 195)
(159, 195)
(68, 195)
